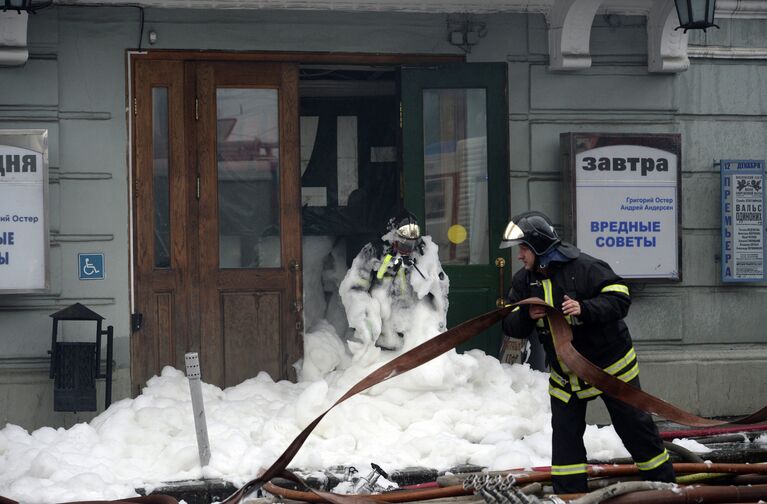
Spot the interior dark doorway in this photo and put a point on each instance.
(350, 167)
(350, 164)
(432, 138)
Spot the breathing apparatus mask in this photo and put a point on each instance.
(406, 240)
(407, 234)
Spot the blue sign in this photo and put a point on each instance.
(743, 258)
(90, 266)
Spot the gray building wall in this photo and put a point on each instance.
(699, 341)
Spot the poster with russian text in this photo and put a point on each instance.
(742, 220)
(627, 209)
(23, 223)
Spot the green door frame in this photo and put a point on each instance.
(473, 288)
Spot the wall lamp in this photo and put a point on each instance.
(464, 31)
(695, 14)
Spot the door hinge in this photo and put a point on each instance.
(197, 189)
(400, 115)
(196, 109)
(135, 106)
(136, 319)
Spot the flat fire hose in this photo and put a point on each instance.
(562, 335)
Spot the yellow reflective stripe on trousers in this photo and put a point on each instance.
(616, 288)
(622, 362)
(555, 376)
(652, 463)
(626, 377)
(630, 374)
(589, 392)
(567, 470)
(559, 394)
(384, 265)
(548, 296)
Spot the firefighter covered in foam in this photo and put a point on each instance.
(393, 282)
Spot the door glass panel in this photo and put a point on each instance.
(160, 168)
(248, 167)
(455, 174)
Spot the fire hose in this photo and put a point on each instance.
(471, 485)
(562, 336)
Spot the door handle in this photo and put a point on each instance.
(297, 304)
(500, 263)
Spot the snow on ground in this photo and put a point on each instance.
(692, 445)
(488, 414)
(457, 409)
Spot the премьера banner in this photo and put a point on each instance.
(742, 220)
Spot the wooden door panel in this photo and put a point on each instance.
(160, 210)
(199, 285)
(246, 308)
(247, 317)
(164, 327)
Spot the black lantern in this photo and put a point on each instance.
(695, 14)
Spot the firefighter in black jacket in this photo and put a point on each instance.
(594, 301)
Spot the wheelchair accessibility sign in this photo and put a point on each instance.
(91, 266)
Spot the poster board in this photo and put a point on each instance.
(622, 200)
(24, 239)
(742, 220)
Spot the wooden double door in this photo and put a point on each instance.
(217, 238)
(217, 201)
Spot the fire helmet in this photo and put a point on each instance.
(407, 232)
(534, 229)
